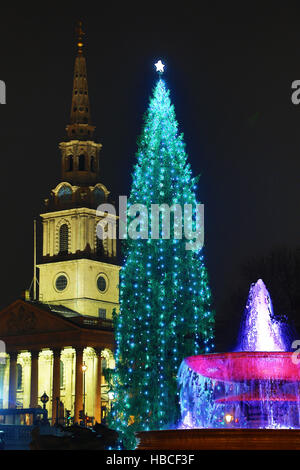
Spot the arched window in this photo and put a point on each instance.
(70, 163)
(65, 193)
(99, 241)
(92, 164)
(99, 196)
(64, 238)
(81, 162)
(19, 377)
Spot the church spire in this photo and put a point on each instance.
(80, 127)
(80, 154)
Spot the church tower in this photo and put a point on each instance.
(78, 269)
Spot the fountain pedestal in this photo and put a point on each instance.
(220, 439)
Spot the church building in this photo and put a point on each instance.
(60, 338)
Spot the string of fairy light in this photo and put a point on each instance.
(164, 294)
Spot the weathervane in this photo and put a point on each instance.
(159, 67)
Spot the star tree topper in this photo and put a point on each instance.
(159, 66)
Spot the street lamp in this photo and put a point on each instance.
(84, 369)
(44, 399)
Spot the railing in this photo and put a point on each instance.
(19, 437)
(16, 436)
(16, 432)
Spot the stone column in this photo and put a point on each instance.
(12, 379)
(109, 239)
(2, 372)
(113, 235)
(88, 232)
(104, 235)
(44, 237)
(92, 233)
(114, 245)
(78, 384)
(48, 237)
(34, 381)
(82, 238)
(97, 402)
(52, 246)
(55, 382)
(74, 230)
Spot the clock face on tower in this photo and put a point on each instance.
(61, 282)
(65, 193)
(101, 283)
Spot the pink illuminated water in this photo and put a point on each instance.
(256, 386)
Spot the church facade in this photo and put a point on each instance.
(59, 339)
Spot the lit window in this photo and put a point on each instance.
(102, 313)
(62, 374)
(19, 377)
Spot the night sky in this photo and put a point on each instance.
(230, 76)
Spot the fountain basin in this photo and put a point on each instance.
(252, 389)
(243, 366)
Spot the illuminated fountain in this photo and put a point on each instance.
(243, 400)
(256, 386)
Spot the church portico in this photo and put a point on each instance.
(57, 370)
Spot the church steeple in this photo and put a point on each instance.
(78, 269)
(80, 154)
(80, 126)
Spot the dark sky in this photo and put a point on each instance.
(230, 76)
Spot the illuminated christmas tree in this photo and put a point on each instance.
(164, 294)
